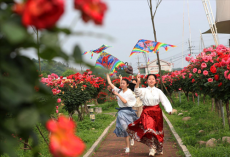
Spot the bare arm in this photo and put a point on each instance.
(138, 81)
(122, 99)
(109, 81)
(120, 78)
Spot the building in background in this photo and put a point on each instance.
(153, 67)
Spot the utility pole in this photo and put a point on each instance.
(190, 48)
(138, 64)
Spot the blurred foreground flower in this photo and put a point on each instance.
(40, 13)
(91, 10)
(63, 142)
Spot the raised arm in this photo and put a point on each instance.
(138, 81)
(120, 78)
(109, 81)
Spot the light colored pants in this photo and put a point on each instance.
(138, 110)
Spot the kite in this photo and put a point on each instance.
(107, 61)
(146, 46)
(97, 51)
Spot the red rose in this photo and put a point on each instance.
(193, 80)
(91, 10)
(216, 77)
(220, 84)
(42, 13)
(213, 69)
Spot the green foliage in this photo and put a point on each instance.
(84, 130)
(49, 67)
(24, 101)
(202, 118)
(67, 73)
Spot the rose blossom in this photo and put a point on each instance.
(199, 71)
(216, 77)
(194, 70)
(187, 58)
(205, 58)
(42, 13)
(56, 111)
(63, 141)
(58, 100)
(210, 80)
(203, 65)
(220, 84)
(205, 72)
(225, 74)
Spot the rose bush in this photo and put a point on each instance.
(25, 102)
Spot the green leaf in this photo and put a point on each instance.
(77, 54)
(28, 118)
(49, 39)
(14, 33)
(63, 30)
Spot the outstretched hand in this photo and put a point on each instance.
(114, 92)
(139, 78)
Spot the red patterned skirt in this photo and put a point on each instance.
(148, 129)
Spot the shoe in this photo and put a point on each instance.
(132, 142)
(127, 150)
(160, 153)
(152, 152)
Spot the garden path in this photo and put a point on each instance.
(113, 146)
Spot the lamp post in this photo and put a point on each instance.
(92, 115)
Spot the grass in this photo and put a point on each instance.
(87, 130)
(202, 118)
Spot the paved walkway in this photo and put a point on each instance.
(113, 146)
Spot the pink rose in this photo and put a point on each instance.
(205, 58)
(61, 85)
(196, 94)
(225, 74)
(229, 76)
(58, 100)
(203, 65)
(205, 72)
(210, 80)
(199, 71)
(56, 107)
(56, 111)
(187, 58)
(194, 70)
(190, 75)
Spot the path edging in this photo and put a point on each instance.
(99, 140)
(178, 139)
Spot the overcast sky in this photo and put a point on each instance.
(127, 21)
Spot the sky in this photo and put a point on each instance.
(127, 21)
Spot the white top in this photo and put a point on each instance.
(128, 96)
(153, 96)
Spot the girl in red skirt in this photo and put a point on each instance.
(148, 129)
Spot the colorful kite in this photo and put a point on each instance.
(146, 46)
(107, 61)
(97, 51)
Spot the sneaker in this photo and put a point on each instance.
(160, 153)
(152, 152)
(132, 142)
(127, 150)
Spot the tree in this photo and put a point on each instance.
(67, 73)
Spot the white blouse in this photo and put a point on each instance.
(128, 96)
(153, 96)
